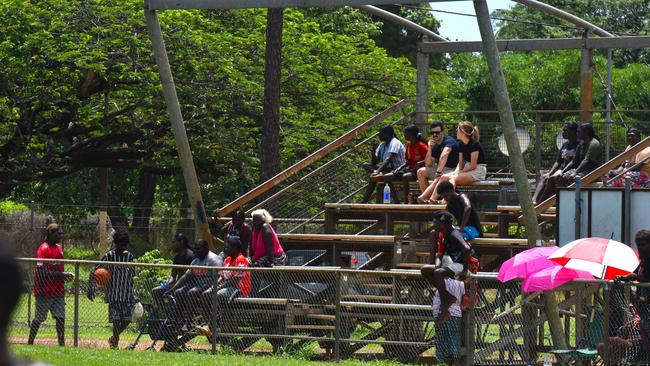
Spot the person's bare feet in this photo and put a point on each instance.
(444, 310)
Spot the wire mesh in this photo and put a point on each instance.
(325, 310)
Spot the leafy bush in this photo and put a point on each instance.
(10, 207)
(148, 278)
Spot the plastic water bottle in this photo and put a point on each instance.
(386, 194)
(547, 360)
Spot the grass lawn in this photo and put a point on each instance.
(60, 356)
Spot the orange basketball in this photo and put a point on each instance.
(102, 276)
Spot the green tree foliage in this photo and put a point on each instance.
(61, 60)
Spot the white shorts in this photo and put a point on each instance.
(446, 261)
(431, 171)
(480, 172)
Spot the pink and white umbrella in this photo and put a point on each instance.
(603, 258)
(527, 262)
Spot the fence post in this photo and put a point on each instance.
(607, 299)
(76, 306)
(578, 209)
(470, 328)
(538, 146)
(215, 314)
(337, 318)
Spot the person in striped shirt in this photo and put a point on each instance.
(119, 290)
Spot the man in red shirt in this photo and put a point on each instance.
(49, 279)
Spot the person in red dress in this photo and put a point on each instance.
(49, 279)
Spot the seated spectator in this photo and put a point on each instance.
(232, 284)
(416, 151)
(633, 137)
(442, 158)
(183, 257)
(187, 290)
(639, 175)
(589, 155)
(266, 250)
(460, 206)
(471, 161)
(389, 155)
(454, 257)
(237, 227)
(447, 339)
(549, 180)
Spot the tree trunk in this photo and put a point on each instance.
(143, 203)
(270, 142)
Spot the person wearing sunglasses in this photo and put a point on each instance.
(441, 159)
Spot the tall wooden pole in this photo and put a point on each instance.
(178, 126)
(422, 88)
(502, 100)
(586, 83)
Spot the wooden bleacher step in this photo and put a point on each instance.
(310, 327)
(377, 298)
(321, 317)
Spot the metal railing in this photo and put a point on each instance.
(342, 312)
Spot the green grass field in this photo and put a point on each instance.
(59, 356)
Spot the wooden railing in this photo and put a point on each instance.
(319, 154)
(598, 172)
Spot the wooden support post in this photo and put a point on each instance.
(178, 126)
(586, 83)
(502, 101)
(422, 89)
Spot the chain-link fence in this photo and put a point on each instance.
(323, 310)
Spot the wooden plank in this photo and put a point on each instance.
(337, 237)
(310, 327)
(368, 297)
(628, 42)
(503, 208)
(317, 155)
(383, 207)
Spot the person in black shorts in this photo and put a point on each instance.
(119, 289)
(183, 257)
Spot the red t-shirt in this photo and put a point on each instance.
(244, 284)
(48, 287)
(416, 152)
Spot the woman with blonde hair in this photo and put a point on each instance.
(266, 250)
(471, 159)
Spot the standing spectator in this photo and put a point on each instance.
(447, 340)
(183, 257)
(49, 279)
(549, 180)
(460, 206)
(589, 155)
(266, 249)
(389, 155)
(442, 158)
(119, 289)
(237, 227)
(189, 288)
(454, 257)
(471, 161)
(416, 151)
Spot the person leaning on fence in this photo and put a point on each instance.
(442, 158)
(460, 206)
(454, 257)
(642, 301)
(49, 279)
(232, 284)
(237, 227)
(416, 151)
(589, 155)
(549, 180)
(183, 257)
(389, 155)
(447, 339)
(11, 287)
(190, 286)
(118, 292)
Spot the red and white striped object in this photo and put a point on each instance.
(603, 258)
